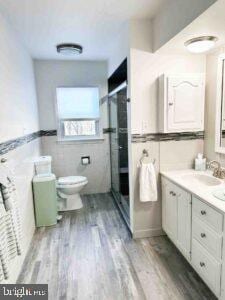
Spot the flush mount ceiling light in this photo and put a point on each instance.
(69, 49)
(201, 44)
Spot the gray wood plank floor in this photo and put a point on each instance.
(90, 255)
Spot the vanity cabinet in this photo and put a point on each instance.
(197, 230)
(181, 102)
(207, 243)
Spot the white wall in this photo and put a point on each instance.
(51, 74)
(210, 113)
(18, 113)
(175, 16)
(119, 48)
(145, 69)
(18, 116)
(67, 156)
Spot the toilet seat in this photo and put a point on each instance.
(71, 180)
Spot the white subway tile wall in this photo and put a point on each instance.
(170, 155)
(20, 161)
(66, 161)
(175, 155)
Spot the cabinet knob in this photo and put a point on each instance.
(203, 212)
(172, 193)
(170, 103)
(202, 264)
(203, 235)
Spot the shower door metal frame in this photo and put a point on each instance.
(117, 199)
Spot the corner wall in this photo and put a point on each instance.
(174, 17)
(145, 69)
(66, 156)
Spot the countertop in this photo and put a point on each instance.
(198, 189)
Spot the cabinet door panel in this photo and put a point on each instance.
(207, 267)
(170, 210)
(184, 223)
(177, 216)
(185, 103)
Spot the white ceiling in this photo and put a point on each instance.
(42, 24)
(211, 22)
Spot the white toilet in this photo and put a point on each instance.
(68, 188)
(69, 192)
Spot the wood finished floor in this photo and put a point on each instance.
(90, 255)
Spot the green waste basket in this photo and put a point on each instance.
(45, 200)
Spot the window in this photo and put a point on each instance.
(78, 113)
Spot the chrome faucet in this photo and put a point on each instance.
(218, 171)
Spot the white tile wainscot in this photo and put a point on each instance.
(194, 221)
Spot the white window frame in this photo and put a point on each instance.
(60, 126)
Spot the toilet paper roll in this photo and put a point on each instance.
(85, 161)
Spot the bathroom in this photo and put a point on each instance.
(87, 110)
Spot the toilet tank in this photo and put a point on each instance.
(43, 165)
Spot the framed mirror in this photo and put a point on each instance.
(220, 107)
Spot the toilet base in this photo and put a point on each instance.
(67, 202)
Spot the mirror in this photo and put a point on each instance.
(220, 116)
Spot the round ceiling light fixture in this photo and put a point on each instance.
(201, 44)
(69, 49)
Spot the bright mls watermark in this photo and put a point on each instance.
(24, 291)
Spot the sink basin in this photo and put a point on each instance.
(202, 179)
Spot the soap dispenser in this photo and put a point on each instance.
(200, 163)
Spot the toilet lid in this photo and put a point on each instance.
(71, 180)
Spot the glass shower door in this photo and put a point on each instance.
(114, 147)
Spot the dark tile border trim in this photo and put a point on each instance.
(136, 138)
(223, 133)
(106, 130)
(54, 132)
(158, 137)
(15, 143)
(49, 132)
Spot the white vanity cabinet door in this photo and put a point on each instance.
(184, 223)
(169, 209)
(177, 216)
(181, 105)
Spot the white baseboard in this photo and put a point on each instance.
(148, 233)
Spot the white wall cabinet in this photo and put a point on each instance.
(197, 231)
(181, 102)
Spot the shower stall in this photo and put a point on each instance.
(119, 149)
